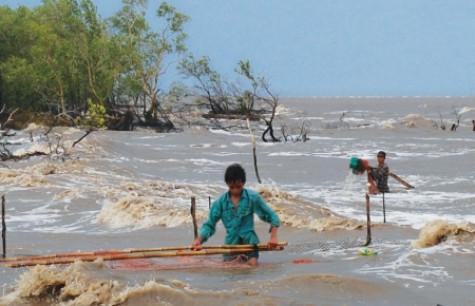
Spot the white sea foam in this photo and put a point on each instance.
(204, 162)
(241, 144)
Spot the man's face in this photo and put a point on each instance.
(380, 159)
(235, 188)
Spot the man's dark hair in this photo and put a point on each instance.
(382, 154)
(235, 173)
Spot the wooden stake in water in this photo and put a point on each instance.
(193, 216)
(368, 222)
(254, 151)
(4, 228)
(384, 210)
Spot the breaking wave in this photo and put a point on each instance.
(438, 231)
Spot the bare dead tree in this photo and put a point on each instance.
(301, 133)
(272, 102)
(442, 125)
(304, 130)
(283, 129)
(457, 117)
(5, 133)
(9, 119)
(342, 122)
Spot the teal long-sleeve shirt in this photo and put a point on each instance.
(239, 223)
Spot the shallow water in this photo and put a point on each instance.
(118, 190)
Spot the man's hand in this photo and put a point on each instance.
(196, 246)
(272, 244)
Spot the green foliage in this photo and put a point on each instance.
(209, 85)
(173, 36)
(61, 53)
(146, 54)
(94, 117)
(244, 68)
(245, 102)
(224, 97)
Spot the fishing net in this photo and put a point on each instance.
(324, 245)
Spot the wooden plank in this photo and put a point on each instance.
(400, 180)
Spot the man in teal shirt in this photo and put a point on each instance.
(236, 209)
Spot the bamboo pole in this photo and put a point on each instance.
(53, 261)
(4, 228)
(368, 222)
(261, 247)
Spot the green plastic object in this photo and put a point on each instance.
(367, 252)
(354, 163)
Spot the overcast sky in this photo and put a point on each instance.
(334, 47)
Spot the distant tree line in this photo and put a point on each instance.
(62, 63)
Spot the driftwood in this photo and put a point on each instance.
(7, 155)
(23, 156)
(82, 137)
